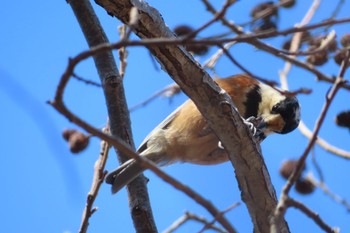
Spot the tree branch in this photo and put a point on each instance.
(281, 208)
(311, 214)
(120, 144)
(99, 176)
(117, 108)
(215, 105)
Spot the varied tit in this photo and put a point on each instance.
(185, 136)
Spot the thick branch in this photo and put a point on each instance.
(117, 109)
(215, 105)
(122, 146)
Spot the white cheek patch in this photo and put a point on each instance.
(269, 97)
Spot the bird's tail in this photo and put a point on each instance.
(124, 174)
(129, 170)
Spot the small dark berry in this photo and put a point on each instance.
(343, 119)
(304, 186)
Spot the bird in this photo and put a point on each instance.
(185, 136)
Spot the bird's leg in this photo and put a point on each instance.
(256, 126)
(220, 145)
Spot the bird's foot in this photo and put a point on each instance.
(254, 124)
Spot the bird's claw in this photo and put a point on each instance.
(220, 145)
(253, 124)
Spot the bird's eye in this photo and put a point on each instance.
(275, 109)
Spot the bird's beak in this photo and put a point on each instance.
(262, 125)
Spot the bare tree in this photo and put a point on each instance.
(266, 210)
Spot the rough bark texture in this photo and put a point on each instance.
(216, 106)
(117, 108)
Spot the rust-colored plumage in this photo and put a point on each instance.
(185, 136)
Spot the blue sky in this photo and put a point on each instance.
(44, 186)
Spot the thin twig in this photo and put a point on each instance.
(211, 62)
(191, 216)
(123, 53)
(178, 223)
(317, 166)
(212, 10)
(237, 29)
(281, 207)
(253, 40)
(89, 82)
(323, 143)
(295, 43)
(336, 11)
(245, 70)
(241, 38)
(217, 16)
(211, 223)
(97, 180)
(266, 81)
(168, 91)
(324, 45)
(311, 214)
(125, 148)
(296, 40)
(59, 105)
(322, 185)
(265, 12)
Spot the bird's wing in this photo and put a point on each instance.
(163, 125)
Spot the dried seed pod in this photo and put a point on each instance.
(318, 59)
(287, 3)
(345, 40)
(317, 41)
(66, 133)
(306, 36)
(304, 186)
(288, 167)
(264, 11)
(183, 30)
(343, 119)
(78, 142)
(340, 56)
(332, 46)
